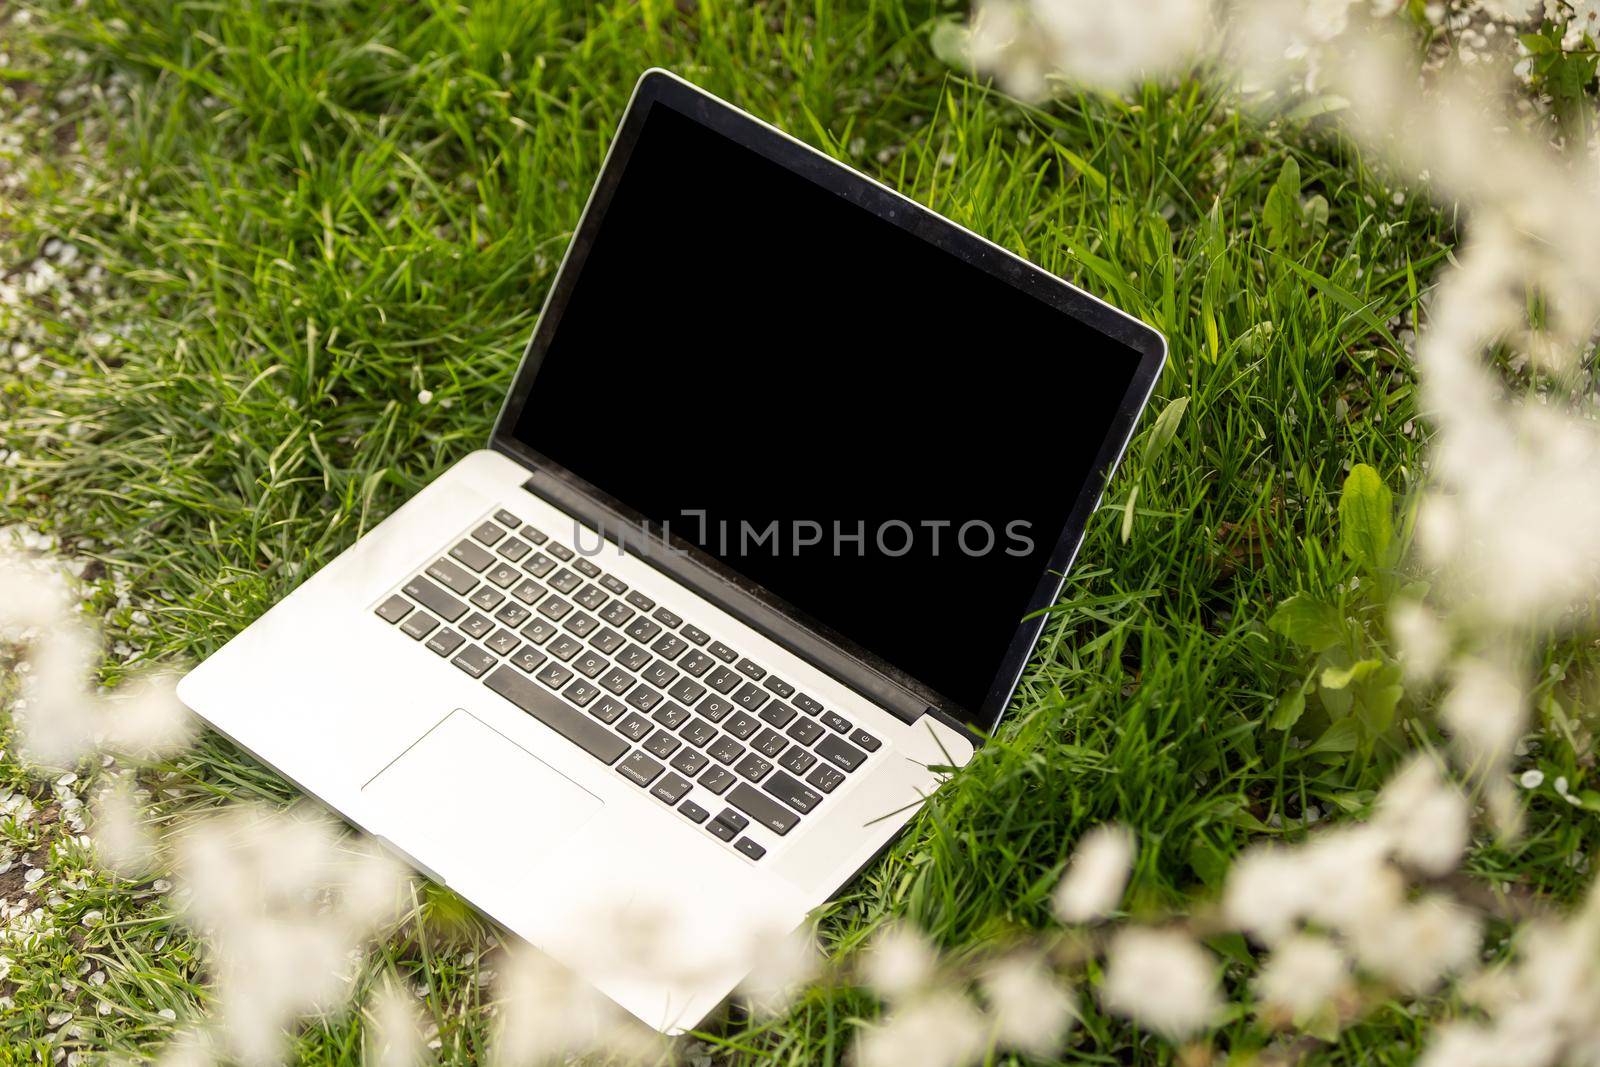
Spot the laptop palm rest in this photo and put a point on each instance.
(463, 790)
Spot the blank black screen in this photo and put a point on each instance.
(743, 348)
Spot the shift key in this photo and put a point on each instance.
(549, 709)
(435, 599)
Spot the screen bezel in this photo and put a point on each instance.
(662, 88)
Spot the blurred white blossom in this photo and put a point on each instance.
(1031, 1010)
(937, 1029)
(899, 961)
(547, 1014)
(1161, 979)
(1301, 975)
(1096, 875)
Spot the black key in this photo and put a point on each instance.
(633, 657)
(488, 533)
(779, 686)
(539, 565)
(866, 740)
(476, 625)
(835, 722)
(473, 660)
(840, 753)
(722, 829)
(640, 601)
(613, 583)
(662, 744)
(455, 578)
(617, 680)
(538, 631)
(488, 598)
(528, 659)
(553, 607)
(825, 778)
(503, 575)
(749, 669)
(717, 780)
(750, 696)
(693, 812)
(554, 675)
(513, 614)
(643, 697)
(580, 692)
(733, 819)
(763, 809)
(715, 708)
(792, 792)
(804, 730)
(726, 750)
(778, 714)
(634, 726)
(642, 629)
(564, 581)
(506, 519)
(752, 767)
(687, 690)
(693, 634)
(696, 663)
(435, 599)
(419, 625)
(502, 641)
(749, 848)
(586, 568)
(559, 551)
(445, 642)
(670, 789)
(741, 725)
(722, 652)
(669, 646)
(616, 613)
(563, 648)
(590, 664)
(582, 731)
(698, 732)
(690, 762)
(808, 704)
(769, 742)
(723, 680)
(797, 760)
(581, 624)
(668, 619)
(606, 709)
(639, 769)
(592, 597)
(606, 640)
(471, 556)
(394, 609)
(659, 673)
(670, 715)
(528, 592)
(514, 549)
(534, 534)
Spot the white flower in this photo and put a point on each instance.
(1302, 974)
(1532, 779)
(782, 966)
(1096, 875)
(1103, 45)
(1485, 712)
(1423, 640)
(1163, 980)
(425, 396)
(394, 1037)
(1417, 945)
(1032, 1011)
(899, 961)
(548, 1015)
(1425, 817)
(940, 1029)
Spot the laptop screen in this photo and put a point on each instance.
(874, 430)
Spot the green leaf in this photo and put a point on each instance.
(1342, 736)
(1366, 518)
(1537, 43)
(1165, 429)
(1307, 621)
(1127, 515)
(1281, 213)
(1290, 707)
(1314, 212)
(1339, 677)
(1208, 861)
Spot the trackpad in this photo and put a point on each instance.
(464, 792)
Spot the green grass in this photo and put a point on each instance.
(308, 212)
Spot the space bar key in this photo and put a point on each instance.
(568, 722)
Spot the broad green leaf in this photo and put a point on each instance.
(1339, 677)
(1281, 212)
(1309, 622)
(1165, 429)
(1290, 707)
(1314, 212)
(1366, 518)
(1376, 706)
(1342, 736)
(1208, 861)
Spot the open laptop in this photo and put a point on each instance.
(758, 550)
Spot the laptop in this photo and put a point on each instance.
(764, 535)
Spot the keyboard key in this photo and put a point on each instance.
(488, 533)
(717, 780)
(715, 708)
(750, 696)
(563, 581)
(634, 726)
(763, 809)
(607, 710)
(502, 641)
(581, 624)
(394, 609)
(528, 659)
(670, 789)
(476, 625)
(573, 725)
(586, 568)
(473, 660)
(514, 549)
(435, 599)
(662, 743)
(865, 740)
(693, 812)
(779, 686)
(559, 551)
(722, 829)
(741, 725)
(471, 556)
(643, 697)
(456, 579)
(633, 657)
(539, 565)
(617, 680)
(616, 613)
(733, 819)
(804, 730)
(698, 732)
(488, 598)
(553, 607)
(687, 690)
(749, 848)
(419, 625)
(696, 663)
(722, 652)
(513, 614)
(668, 619)
(506, 519)
(690, 762)
(726, 750)
(752, 767)
(769, 742)
(503, 575)
(723, 680)
(807, 704)
(639, 768)
(613, 583)
(590, 664)
(835, 722)
(539, 631)
(797, 760)
(825, 778)
(778, 714)
(563, 648)
(580, 692)
(592, 597)
(669, 646)
(640, 601)
(659, 673)
(607, 640)
(792, 792)
(528, 592)
(750, 670)
(642, 629)
(670, 715)
(445, 642)
(840, 753)
(693, 634)
(554, 675)
(534, 534)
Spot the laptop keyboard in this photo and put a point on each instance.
(674, 710)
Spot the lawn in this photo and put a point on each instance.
(294, 250)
